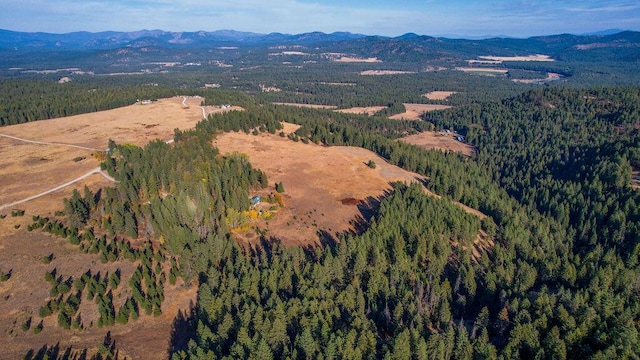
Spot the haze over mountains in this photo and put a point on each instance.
(113, 39)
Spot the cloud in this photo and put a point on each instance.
(379, 17)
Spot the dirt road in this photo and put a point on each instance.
(94, 171)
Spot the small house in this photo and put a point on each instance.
(256, 200)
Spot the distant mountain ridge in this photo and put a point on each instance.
(110, 48)
(106, 40)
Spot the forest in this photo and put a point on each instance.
(552, 172)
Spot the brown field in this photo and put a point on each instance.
(415, 110)
(439, 95)
(28, 169)
(324, 186)
(537, 57)
(356, 59)
(385, 72)
(438, 140)
(307, 105)
(369, 110)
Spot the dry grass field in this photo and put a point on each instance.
(414, 111)
(369, 110)
(440, 141)
(439, 95)
(27, 169)
(324, 186)
(348, 59)
(537, 57)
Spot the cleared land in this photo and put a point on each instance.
(537, 57)
(324, 186)
(356, 59)
(29, 168)
(414, 111)
(438, 140)
(439, 95)
(369, 110)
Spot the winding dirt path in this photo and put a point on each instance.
(81, 177)
(48, 143)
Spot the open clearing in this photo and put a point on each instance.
(323, 185)
(369, 110)
(349, 59)
(29, 168)
(439, 95)
(414, 111)
(438, 140)
(537, 57)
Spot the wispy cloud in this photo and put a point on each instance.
(383, 17)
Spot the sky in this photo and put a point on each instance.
(465, 18)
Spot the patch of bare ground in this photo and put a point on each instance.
(414, 111)
(439, 140)
(439, 95)
(27, 169)
(482, 244)
(537, 57)
(349, 59)
(313, 106)
(635, 179)
(326, 188)
(385, 72)
(368, 110)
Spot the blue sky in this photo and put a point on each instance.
(518, 18)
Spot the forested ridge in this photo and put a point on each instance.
(552, 173)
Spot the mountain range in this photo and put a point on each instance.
(112, 39)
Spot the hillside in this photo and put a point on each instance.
(319, 196)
